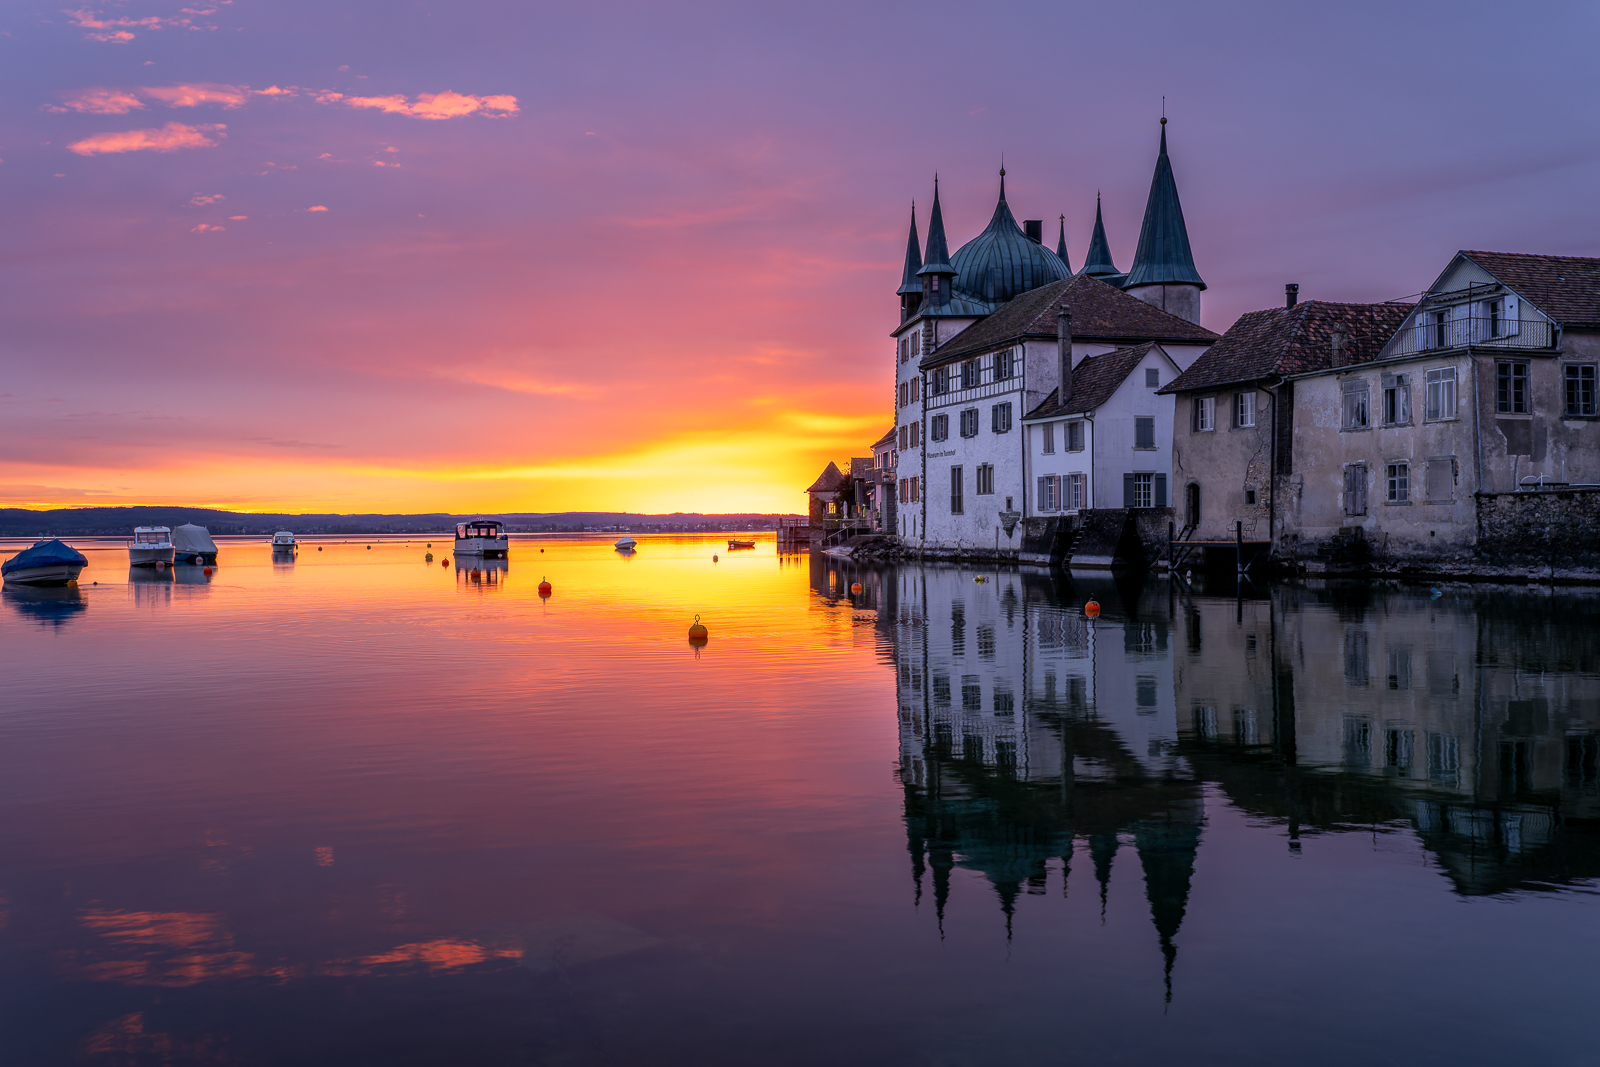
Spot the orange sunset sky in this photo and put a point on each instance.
(536, 257)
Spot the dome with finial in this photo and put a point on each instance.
(1003, 262)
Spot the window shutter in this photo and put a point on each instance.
(1361, 490)
(1161, 491)
(1044, 503)
(1127, 490)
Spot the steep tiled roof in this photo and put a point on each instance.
(886, 441)
(829, 481)
(1567, 288)
(1100, 312)
(1283, 341)
(862, 467)
(1094, 379)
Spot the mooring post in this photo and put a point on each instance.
(1238, 546)
(1172, 529)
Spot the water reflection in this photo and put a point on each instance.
(187, 574)
(481, 575)
(1035, 741)
(51, 607)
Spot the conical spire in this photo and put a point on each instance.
(1102, 850)
(1098, 262)
(909, 286)
(937, 260)
(1061, 245)
(1163, 255)
(1167, 851)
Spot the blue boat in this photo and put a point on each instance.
(47, 563)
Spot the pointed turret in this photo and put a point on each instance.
(1167, 849)
(936, 272)
(1102, 850)
(910, 290)
(1061, 246)
(1097, 264)
(1163, 270)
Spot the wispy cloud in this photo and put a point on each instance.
(119, 30)
(199, 93)
(205, 199)
(317, 207)
(168, 138)
(206, 227)
(445, 105)
(98, 102)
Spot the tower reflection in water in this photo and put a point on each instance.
(1034, 740)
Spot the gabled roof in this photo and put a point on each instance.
(886, 441)
(830, 481)
(1094, 379)
(1282, 341)
(1567, 288)
(1100, 312)
(1163, 255)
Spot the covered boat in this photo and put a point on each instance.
(49, 562)
(193, 544)
(625, 545)
(482, 537)
(151, 546)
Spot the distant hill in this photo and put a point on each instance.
(88, 522)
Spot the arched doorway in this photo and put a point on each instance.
(1192, 504)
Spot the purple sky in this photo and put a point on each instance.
(654, 266)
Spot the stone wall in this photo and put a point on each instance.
(1547, 530)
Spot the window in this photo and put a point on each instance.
(1397, 400)
(1075, 437)
(969, 374)
(900, 393)
(955, 490)
(1144, 490)
(1152, 377)
(1441, 482)
(1496, 311)
(1249, 496)
(969, 422)
(1000, 418)
(1510, 387)
(903, 438)
(1580, 388)
(916, 434)
(1144, 431)
(940, 427)
(1049, 440)
(1004, 365)
(916, 389)
(1440, 320)
(1072, 494)
(1398, 476)
(1355, 489)
(1441, 387)
(916, 488)
(1244, 410)
(1357, 413)
(985, 486)
(941, 381)
(1050, 493)
(1205, 414)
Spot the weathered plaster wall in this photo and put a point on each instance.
(1223, 462)
(1540, 530)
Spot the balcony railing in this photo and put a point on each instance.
(1457, 333)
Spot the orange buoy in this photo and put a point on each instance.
(1092, 608)
(206, 571)
(698, 635)
(855, 589)
(544, 587)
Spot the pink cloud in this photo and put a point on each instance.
(116, 30)
(445, 105)
(318, 207)
(113, 36)
(197, 94)
(237, 218)
(203, 199)
(99, 101)
(273, 90)
(172, 136)
(207, 228)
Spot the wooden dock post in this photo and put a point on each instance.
(1238, 546)
(1172, 529)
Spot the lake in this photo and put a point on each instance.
(353, 807)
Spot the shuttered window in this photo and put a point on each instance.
(1144, 432)
(1355, 489)
(1075, 437)
(1441, 483)
(1000, 418)
(1048, 432)
(969, 422)
(985, 479)
(956, 503)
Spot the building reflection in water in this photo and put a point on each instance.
(1033, 739)
(481, 575)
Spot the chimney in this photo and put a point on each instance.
(1064, 352)
(1291, 294)
(1338, 340)
(1034, 228)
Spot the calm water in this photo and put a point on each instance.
(359, 809)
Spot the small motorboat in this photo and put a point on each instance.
(48, 562)
(283, 541)
(151, 547)
(482, 537)
(740, 544)
(627, 544)
(193, 544)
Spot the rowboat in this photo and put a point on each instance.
(740, 544)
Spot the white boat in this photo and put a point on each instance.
(48, 562)
(625, 545)
(283, 541)
(193, 544)
(482, 537)
(151, 547)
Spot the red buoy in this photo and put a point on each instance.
(544, 587)
(1092, 608)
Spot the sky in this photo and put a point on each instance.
(494, 256)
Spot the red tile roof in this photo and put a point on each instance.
(1100, 312)
(1567, 288)
(1094, 379)
(830, 481)
(886, 441)
(1283, 341)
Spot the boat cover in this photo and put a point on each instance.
(192, 538)
(44, 554)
